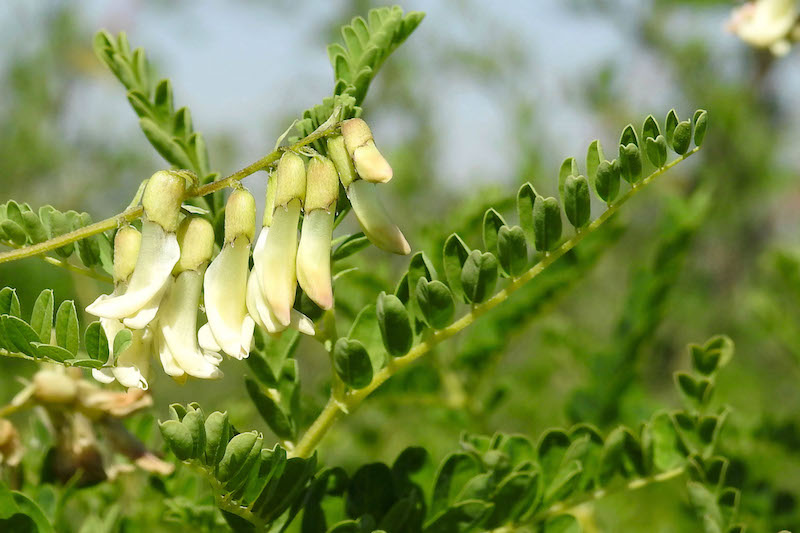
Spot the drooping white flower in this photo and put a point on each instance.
(257, 305)
(276, 271)
(175, 331)
(371, 215)
(138, 303)
(132, 365)
(230, 327)
(314, 251)
(766, 24)
(368, 161)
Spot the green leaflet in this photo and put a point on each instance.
(546, 224)
(577, 202)
(512, 250)
(479, 276)
(367, 44)
(435, 302)
(352, 363)
(394, 323)
(453, 258)
(170, 132)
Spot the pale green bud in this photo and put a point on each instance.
(290, 179)
(341, 159)
(162, 198)
(322, 186)
(240, 216)
(196, 239)
(368, 161)
(126, 252)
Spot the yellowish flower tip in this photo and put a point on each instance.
(290, 179)
(341, 159)
(196, 239)
(162, 198)
(126, 252)
(240, 216)
(322, 188)
(367, 159)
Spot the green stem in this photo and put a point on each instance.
(68, 266)
(133, 213)
(334, 410)
(634, 484)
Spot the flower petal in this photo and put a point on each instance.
(158, 254)
(314, 257)
(225, 285)
(278, 277)
(133, 365)
(206, 338)
(374, 220)
(178, 325)
(103, 375)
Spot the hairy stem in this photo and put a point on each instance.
(132, 213)
(334, 410)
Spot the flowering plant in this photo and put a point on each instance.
(189, 248)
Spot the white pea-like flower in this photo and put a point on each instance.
(314, 251)
(230, 327)
(257, 305)
(372, 216)
(158, 253)
(132, 365)
(766, 24)
(175, 330)
(276, 271)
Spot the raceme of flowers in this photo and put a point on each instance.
(768, 24)
(161, 272)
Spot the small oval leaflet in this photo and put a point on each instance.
(352, 363)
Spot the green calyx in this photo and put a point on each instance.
(240, 216)
(163, 196)
(290, 179)
(196, 239)
(322, 185)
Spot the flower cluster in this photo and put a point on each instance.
(769, 24)
(161, 272)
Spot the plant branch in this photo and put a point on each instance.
(133, 213)
(334, 410)
(88, 272)
(634, 484)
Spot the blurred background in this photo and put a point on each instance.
(483, 97)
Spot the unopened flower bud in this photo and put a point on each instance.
(162, 198)
(240, 216)
(367, 159)
(196, 240)
(126, 251)
(290, 179)
(322, 185)
(341, 159)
